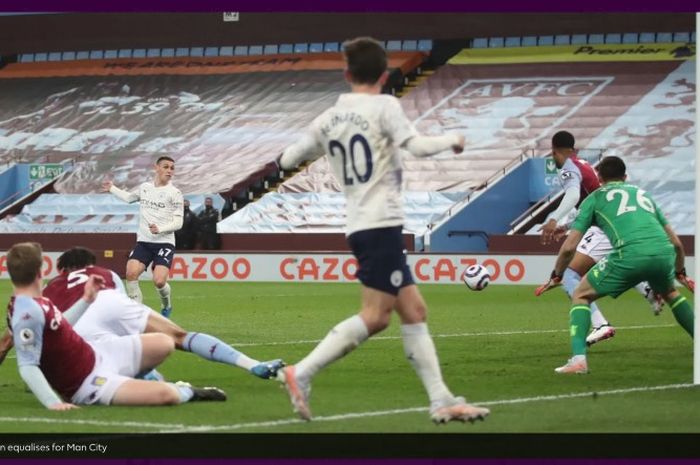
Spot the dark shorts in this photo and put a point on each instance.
(382, 259)
(155, 252)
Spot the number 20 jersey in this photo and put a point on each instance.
(361, 135)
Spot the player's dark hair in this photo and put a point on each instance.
(24, 263)
(366, 60)
(563, 140)
(164, 158)
(612, 169)
(75, 259)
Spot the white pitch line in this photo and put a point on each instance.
(130, 424)
(479, 334)
(348, 416)
(486, 333)
(181, 428)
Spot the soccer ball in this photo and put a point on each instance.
(476, 277)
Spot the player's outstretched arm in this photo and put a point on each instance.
(306, 148)
(37, 383)
(108, 186)
(424, 146)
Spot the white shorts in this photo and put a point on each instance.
(112, 314)
(117, 360)
(595, 244)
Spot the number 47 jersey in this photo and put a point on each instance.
(361, 135)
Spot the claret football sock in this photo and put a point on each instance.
(211, 348)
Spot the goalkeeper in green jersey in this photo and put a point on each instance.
(645, 248)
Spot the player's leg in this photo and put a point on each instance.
(341, 340)
(579, 324)
(593, 247)
(656, 302)
(661, 276)
(420, 351)
(135, 267)
(155, 348)
(160, 281)
(162, 261)
(210, 348)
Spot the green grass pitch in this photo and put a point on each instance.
(497, 347)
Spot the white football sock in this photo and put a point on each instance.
(134, 291)
(420, 351)
(164, 293)
(341, 340)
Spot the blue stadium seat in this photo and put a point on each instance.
(664, 37)
(82, 55)
(512, 42)
(138, 53)
(596, 39)
(331, 47)
(255, 50)
(26, 58)
(226, 51)
(545, 40)
(316, 47)
(480, 42)
(96, 54)
(301, 48)
(647, 37)
(692, 37)
(681, 37)
(271, 49)
(197, 51)
(40, 56)
(393, 46)
(409, 45)
(579, 39)
(425, 45)
(240, 51)
(211, 52)
(613, 38)
(182, 52)
(111, 54)
(153, 53)
(496, 42)
(55, 56)
(68, 56)
(562, 39)
(286, 48)
(529, 41)
(167, 52)
(630, 38)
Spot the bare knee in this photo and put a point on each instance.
(167, 395)
(132, 275)
(375, 320)
(160, 281)
(178, 336)
(164, 342)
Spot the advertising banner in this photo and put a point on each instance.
(575, 53)
(338, 268)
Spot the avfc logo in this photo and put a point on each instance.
(98, 381)
(518, 110)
